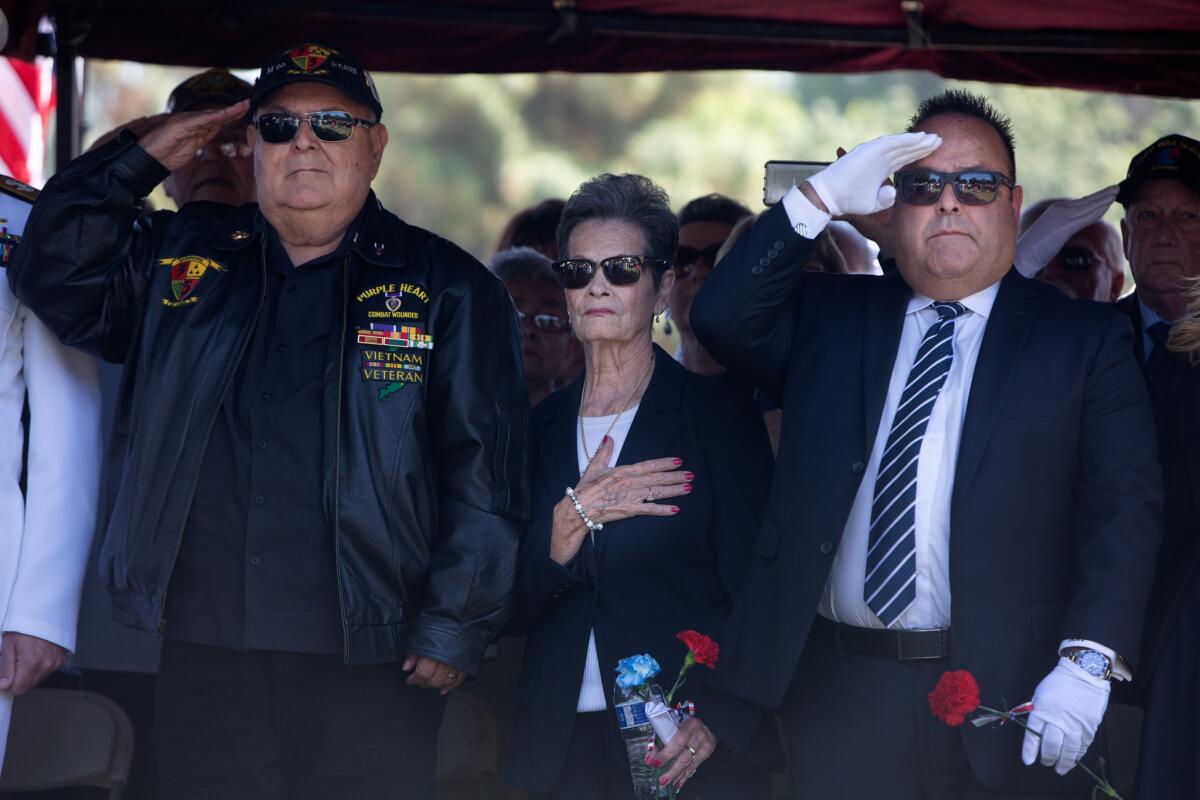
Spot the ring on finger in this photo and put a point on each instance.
(452, 675)
(692, 750)
(650, 496)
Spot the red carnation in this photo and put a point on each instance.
(955, 696)
(703, 649)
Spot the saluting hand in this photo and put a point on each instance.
(608, 494)
(175, 140)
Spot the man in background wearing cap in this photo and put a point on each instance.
(326, 475)
(221, 170)
(1161, 235)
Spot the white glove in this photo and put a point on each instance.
(1067, 708)
(854, 184)
(1058, 223)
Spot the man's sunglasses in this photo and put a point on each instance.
(544, 322)
(972, 187)
(576, 273)
(1076, 259)
(278, 127)
(687, 257)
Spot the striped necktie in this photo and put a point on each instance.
(891, 576)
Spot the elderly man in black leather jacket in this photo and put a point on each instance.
(326, 468)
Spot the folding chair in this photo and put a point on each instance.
(62, 738)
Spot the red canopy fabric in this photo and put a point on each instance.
(1149, 47)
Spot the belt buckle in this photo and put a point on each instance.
(900, 645)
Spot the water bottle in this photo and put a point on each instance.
(638, 733)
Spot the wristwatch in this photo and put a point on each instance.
(1092, 662)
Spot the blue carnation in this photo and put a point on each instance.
(636, 670)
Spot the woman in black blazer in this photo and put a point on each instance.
(679, 510)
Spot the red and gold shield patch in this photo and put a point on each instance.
(309, 57)
(185, 273)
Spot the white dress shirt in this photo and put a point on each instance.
(843, 599)
(593, 692)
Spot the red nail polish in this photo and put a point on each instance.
(678, 461)
(687, 487)
(689, 476)
(656, 763)
(605, 441)
(674, 509)
(662, 781)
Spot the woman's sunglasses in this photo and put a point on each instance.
(544, 322)
(576, 273)
(278, 127)
(972, 187)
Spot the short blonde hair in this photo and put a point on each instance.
(1185, 334)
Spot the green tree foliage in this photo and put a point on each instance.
(468, 151)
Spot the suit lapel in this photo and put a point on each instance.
(886, 304)
(560, 435)
(1007, 328)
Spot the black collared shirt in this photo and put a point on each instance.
(256, 567)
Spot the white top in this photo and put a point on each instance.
(593, 692)
(843, 600)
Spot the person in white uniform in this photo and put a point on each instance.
(46, 522)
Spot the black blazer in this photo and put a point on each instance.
(1055, 516)
(1175, 395)
(646, 578)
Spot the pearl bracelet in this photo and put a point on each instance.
(591, 526)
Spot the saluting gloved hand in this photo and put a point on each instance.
(1058, 223)
(1067, 708)
(854, 184)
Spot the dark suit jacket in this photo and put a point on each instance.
(1055, 517)
(646, 578)
(1175, 396)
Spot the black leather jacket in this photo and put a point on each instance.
(426, 455)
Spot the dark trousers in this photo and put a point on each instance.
(1170, 763)
(268, 725)
(859, 728)
(597, 769)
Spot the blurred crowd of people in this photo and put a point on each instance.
(901, 422)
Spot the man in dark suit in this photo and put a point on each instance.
(966, 480)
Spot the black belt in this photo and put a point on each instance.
(901, 645)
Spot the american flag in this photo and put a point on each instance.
(26, 99)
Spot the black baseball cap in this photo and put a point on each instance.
(217, 86)
(1175, 156)
(317, 63)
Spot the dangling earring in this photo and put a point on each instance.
(667, 327)
(658, 318)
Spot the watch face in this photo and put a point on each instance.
(1093, 663)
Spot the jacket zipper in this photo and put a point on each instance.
(262, 295)
(337, 461)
